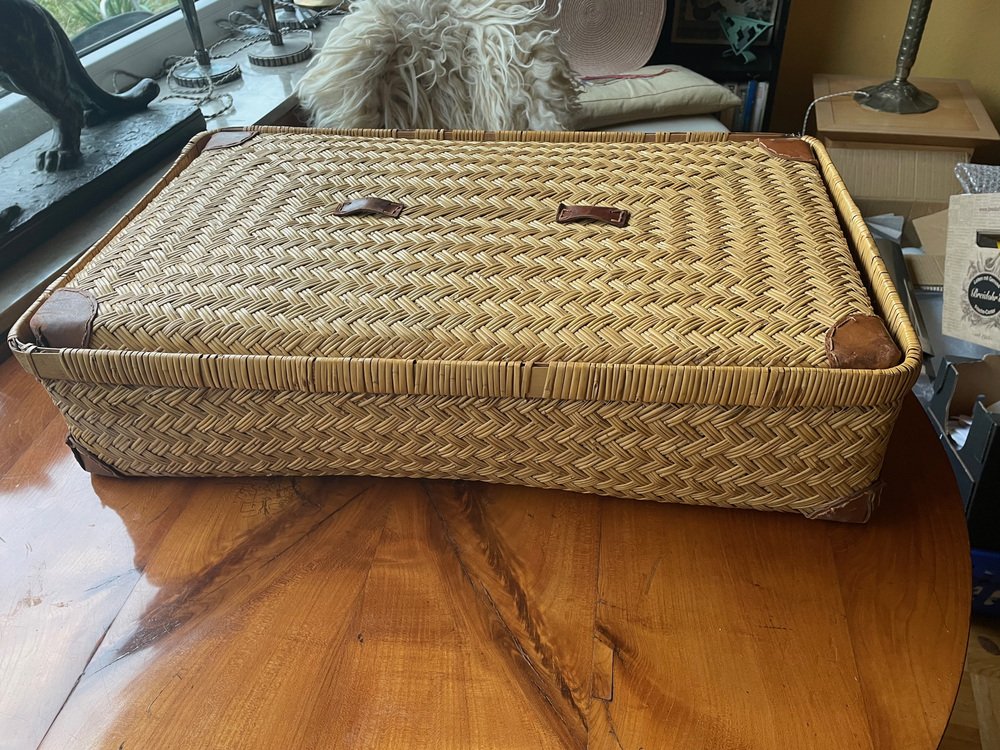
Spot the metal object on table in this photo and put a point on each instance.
(204, 70)
(276, 50)
(898, 95)
(329, 6)
(8, 216)
(291, 16)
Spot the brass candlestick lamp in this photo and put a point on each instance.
(898, 95)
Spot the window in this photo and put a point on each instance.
(140, 49)
(88, 23)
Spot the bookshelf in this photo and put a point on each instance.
(692, 37)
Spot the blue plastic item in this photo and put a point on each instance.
(985, 582)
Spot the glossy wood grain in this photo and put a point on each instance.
(975, 720)
(356, 612)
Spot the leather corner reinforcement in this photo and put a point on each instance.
(228, 139)
(794, 149)
(861, 342)
(857, 508)
(89, 462)
(65, 320)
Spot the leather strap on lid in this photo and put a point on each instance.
(369, 206)
(615, 216)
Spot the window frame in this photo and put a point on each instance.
(141, 51)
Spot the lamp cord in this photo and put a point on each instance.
(805, 120)
(244, 30)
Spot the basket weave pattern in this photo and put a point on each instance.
(242, 330)
(777, 459)
(732, 257)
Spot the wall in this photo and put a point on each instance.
(962, 40)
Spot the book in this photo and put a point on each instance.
(732, 118)
(759, 106)
(748, 102)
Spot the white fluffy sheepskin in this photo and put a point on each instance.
(481, 64)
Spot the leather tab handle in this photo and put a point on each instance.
(615, 216)
(369, 206)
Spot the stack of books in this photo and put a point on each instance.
(749, 115)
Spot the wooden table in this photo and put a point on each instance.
(371, 613)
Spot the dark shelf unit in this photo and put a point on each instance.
(708, 59)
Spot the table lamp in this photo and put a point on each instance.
(204, 69)
(898, 95)
(276, 50)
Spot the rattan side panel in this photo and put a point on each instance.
(790, 458)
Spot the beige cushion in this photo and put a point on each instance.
(682, 124)
(661, 91)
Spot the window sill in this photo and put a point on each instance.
(261, 96)
(141, 52)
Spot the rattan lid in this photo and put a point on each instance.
(731, 255)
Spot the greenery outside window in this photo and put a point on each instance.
(140, 49)
(88, 23)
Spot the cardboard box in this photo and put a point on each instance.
(927, 270)
(914, 175)
(972, 269)
(915, 183)
(910, 210)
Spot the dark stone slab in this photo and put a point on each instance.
(113, 153)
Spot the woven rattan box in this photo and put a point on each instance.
(698, 319)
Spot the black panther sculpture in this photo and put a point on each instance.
(37, 60)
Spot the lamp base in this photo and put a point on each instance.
(271, 55)
(294, 17)
(195, 76)
(897, 97)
